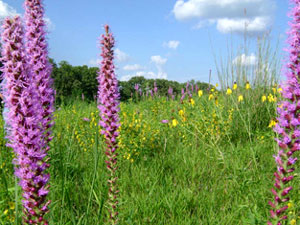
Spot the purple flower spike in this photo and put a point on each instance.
(288, 123)
(155, 88)
(108, 94)
(24, 122)
(37, 57)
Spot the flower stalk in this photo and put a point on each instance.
(108, 94)
(288, 125)
(24, 116)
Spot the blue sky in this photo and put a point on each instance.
(157, 38)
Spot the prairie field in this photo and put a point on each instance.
(204, 160)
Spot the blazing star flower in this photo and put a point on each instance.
(37, 55)
(170, 91)
(24, 118)
(164, 121)
(108, 94)
(287, 127)
(155, 88)
(136, 87)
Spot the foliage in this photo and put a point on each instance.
(72, 81)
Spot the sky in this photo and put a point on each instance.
(176, 40)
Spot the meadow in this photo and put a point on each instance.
(204, 160)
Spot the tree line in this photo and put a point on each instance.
(71, 82)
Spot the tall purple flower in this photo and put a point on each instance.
(288, 124)
(24, 116)
(155, 88)
(170, 91)
(37, 57)
(108, 94)
(136, 87)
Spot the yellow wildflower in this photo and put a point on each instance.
(181, 112)
(248, 85)
(217, 85)
(200, 93)
(272, 123)
(271, 98)
(192, 102)
(216, 101)
(174, 122)
(5, 212)
(263, 98)
(290, 205)
(279, 90)
(240, 98)
(234, 86)
(212, 90)
(11, 205)
(210, 97)
(229, 91)
(293, 222)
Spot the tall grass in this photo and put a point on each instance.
(204, 169)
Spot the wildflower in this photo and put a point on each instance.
(192, 102)
(272, 123)
(108, 95)
(293, 222)
(216, 101)
(85, 119)
(210, 97)
(25, 135)
(200, 93)
(164, 121)
(279, 90)
(234, 86)
(287, 123)
(290, 205)
(247, 85)
(271, 98)
(240, 98)
(263, 98)
(217, 85)
(37, 55)
(229, 91)
(155, 88)
(170, 91)
(174, 122)
(136, 87)
(181, 112)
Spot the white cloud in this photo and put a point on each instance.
(6, 10)
(158, 60)
(244, 60)
(253, 26)
(230, 15)
(95, 62)
(171, 44)
(160, 74)
(146, 74)
(121, 56)
(132, 67)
